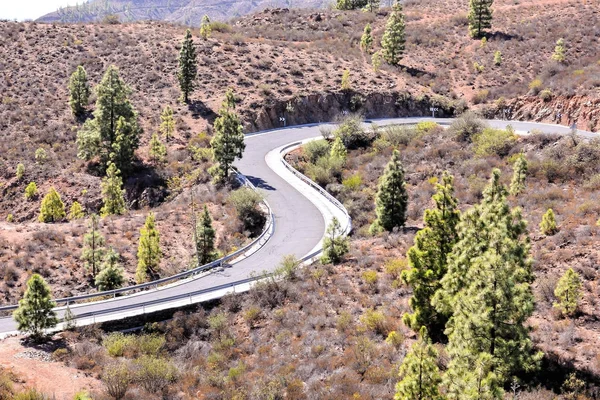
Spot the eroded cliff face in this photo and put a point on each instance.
(326, 107)
(583, 110)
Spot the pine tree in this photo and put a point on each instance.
(480, 17)
(20, 171)
(188, 68)
(488, 292)
(158, 151)
(568, 292)
(205, 239)
(69, 320)
(498, 58)
(167, 123)
(346, 85)
(205, 28)
(35, 312)
(366, 41)
(79, 90)
(376, 61)
(393, 41)
(76, 211)
(419, 372)
(149, 252)
(517, 185)
(372, 5)
(559, 51)
(392, 199)
(228, 142)
(114, 116)
(112, 192)
(93, 246)
(52, 209)
(548, 225)
(335, 244)
(338, 150)
(428, 257)
(31, 191)
(111, 275)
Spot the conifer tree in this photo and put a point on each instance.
(548, 225)
(93, 246)
(167, 123)
(480, 17)
(31, 191)
(79, 90)
(228, 142)
(376, 61)
(517, 185)
(568, 292)
(488, 292)
(35, 312)
(76, 211)
(346, 85)
(188, 68)
(372, 5)
(392, 199)
(428, 257)
(158, 151)
(112, 192)
(498, 58)
(114, 116)
(366, 41)
(205, 28)
(559, 51)
(52, 209)
(20, 171)
(149, 252)
(338, 150)
(393, 41)
(335, 245)
(419, 372)
(111, 275)
(205, 239)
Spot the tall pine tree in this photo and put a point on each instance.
(112, 192)
(392, 199)
(366, 40)
(79, 90)
(205, 239)
(111, 276)
(167, 123)
(480, 17)
(488, 292)
(428, 257)
(149, 252)
(52, 208)
(517, 185)
(188, 68)
(93, 246)
(419, 372)
(393, 41)
(228, 142)
(35, 312)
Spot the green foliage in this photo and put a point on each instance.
(548, 225)
(69, 320)
(517, 184)
(335, 244)
(315, 149)
(338, 150)
(158, 151)
(167, 123)
(351, 4)
(498, 58)
(396, 136)
(117, 377)
(188, 68)
(30, 394)
(52, 209)
(205, 28)
(76, 211)
(346, 80)
(353, 182)
(479, 68)
(487, 292)
(326, 170)
(10, 218)
(93, 246)
(149, 252)
(374, 320)
(366, 40)
(428, 257)
(35, 313)
(288, 267)
(205, 239)
(352, 133)
(119, 345)
(559, 51)
(246, 201)
(113, 195)
(370, 277)
(79, 90)
(467, 126)
(83, 395)
(568, 292)
(40, 155)
(535, 86)
(494, 142)
(392, 198)
(426, 127)
(419, 372)
(394, 339)
(111, 275)
(155, 373)
(376, 60)
(31, 191)
(480, 17)
(20, 171)
(393, 41)
(228, 142)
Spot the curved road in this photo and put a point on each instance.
(299, 225)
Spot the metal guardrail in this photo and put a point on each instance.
(182, 275)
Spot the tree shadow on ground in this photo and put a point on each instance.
(260, 183)
(200, 110)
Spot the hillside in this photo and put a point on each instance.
(186, 12)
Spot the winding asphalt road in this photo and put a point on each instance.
(299, 225)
